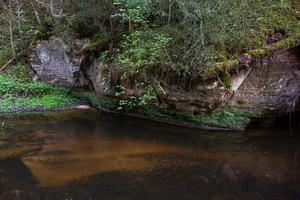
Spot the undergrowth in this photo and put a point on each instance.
(24, 95)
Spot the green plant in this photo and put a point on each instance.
(226, 80)
(19, 71)
(19, 95)
(134, 102)
(143, 50)
(135, 12)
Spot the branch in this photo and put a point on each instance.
(7, 64)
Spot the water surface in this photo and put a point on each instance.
(97, 156)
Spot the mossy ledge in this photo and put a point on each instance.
(255, 54)
(225, 119)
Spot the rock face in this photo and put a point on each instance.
(204, 98)
(272, 85)
(92, 71)
(57, 63)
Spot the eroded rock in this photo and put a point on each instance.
(272, 85)
(58, 63)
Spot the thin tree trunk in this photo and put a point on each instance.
(129, 24)
(19, 14)
(36, 14)
(11, 32)
(170, 12)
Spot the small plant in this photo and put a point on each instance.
(226, 80)
(134, 102)
(133, 12)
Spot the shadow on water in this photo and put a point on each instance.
(89, 155)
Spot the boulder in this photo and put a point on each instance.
(58, 63)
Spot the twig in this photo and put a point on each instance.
(7, 64)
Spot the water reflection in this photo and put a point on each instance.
(89, 155)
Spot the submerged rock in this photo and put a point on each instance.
(58, 63)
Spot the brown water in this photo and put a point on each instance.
(85, 155)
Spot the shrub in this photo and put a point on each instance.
(143, 50)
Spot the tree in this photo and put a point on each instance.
(8, 8)
(133, 12)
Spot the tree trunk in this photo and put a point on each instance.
(36, 14)
(11, 32)
(170, 12)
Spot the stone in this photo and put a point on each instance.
(58, 63)
(82, 107)
(92, 69)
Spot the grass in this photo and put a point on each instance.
(18, 95)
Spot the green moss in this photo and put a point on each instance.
(221, 118)
(257, 53)
(241, 102)
(97, 101)
(99, 42)
(219, 68)
(226, 80)
(229, 65)
(228, 118)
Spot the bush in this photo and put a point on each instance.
(143, 50)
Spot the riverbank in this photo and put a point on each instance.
(17, 95)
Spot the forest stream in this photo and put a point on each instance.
(89, 155)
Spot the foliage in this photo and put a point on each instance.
(226, 80)
(90, 17)
(19, 71)
(143, 50)
(227, 118)
(22, 95)
(132, 102)
(99, 42)
(133, 11)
